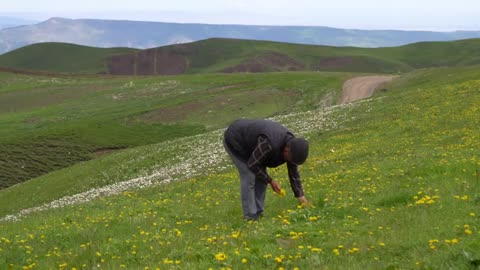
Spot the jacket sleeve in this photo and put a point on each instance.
(295, 181)
(258, 156)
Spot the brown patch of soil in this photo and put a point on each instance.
(271, 61)
(362, 87)
(211, 105)
(223, 88)
(179, 112)
(334, 62)
(27, 72)
(148, 62)
(174, 114)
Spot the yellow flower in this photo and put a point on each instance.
(282, 193)
(167, 261)
(354, 250)
(244, 260)
(220, 256)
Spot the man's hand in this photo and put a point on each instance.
(275, 186)
(302, 200)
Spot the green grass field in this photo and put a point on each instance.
(48, 123)
(394, 181)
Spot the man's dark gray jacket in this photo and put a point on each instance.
(242, 135)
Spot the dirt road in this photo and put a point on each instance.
(362, 87)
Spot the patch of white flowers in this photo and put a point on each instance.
(199, 155)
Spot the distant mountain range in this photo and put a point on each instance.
(137, 34)
(7, 22)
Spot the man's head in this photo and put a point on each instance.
(296, 151)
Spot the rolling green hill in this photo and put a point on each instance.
(231, 55)
(393, 181)
(60, 58)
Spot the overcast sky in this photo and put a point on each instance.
(437, 15)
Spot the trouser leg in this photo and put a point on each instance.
(247, 187)
(247, 194)
(260, 192)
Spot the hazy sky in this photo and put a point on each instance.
(367, 14)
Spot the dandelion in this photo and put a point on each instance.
(431, 244)
(354, 250)
(244, 260)
(167, 261)
(220, 256)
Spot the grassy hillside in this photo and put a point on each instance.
(60, 57)
(225, 53)
(394, 184)
(232, 55)
(48, 123)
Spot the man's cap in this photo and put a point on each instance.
(298, 150)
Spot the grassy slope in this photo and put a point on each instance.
(49, 123)
(394, 181)
(211, 55)
(214, 55)
(383, 60)
(60, 57)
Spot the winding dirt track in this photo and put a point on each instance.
(362, 87)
